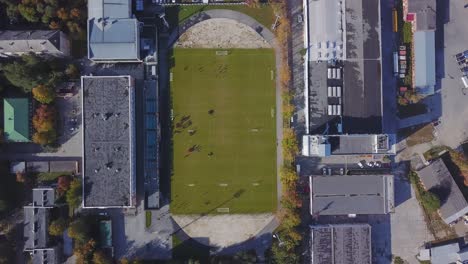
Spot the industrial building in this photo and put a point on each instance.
(113, 34)
(19, 42)
(341, 243)
(351, 195)
(108, 160)
(343, 93)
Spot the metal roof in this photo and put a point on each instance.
(46, 255)
(111, 39)
(445, 254)
(112, 33)
(326, 29)
(36, 225)
(16, 119)
(424, 60)
(20, 41)
(109, 8)
(44, 197)
(357, 194)
(108, 141)
(437, 179)
(343, 244)
(425, 11)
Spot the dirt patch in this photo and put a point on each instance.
(222, 230)
(221, 33)
(423, 135)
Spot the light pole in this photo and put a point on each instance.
(279, 240)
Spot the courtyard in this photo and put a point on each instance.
(224, 129)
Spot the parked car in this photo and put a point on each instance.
(371, 164)
(361, 164)
(324, 171)
(378, 164)
(341, 171)
(329, 171)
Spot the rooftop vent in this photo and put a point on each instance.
(118, 170)
(109, 165)
(96, 170)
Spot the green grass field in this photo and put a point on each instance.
(223, 131)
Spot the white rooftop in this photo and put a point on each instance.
(326, 28)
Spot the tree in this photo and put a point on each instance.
(54, 25)
(75, 13)
(430, 201)
(57, 227)
(29, 13)
(44, 138)
(29, 71)
(72, 71)
(73, 195)
(43, 94)
(99, 257)
(79, 230)
(62, 13)
(63, 184)
(84, 252)
(44, 118)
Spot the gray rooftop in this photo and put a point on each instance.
(112, 34)
(341, 244)
(353, 144)
(116, 40)
(445, 254)
(47, 255)
(425, 11)
(361, 82)
(63, 166)
(19, 41)
(356, 194)
(44, 197)
(109, 8)
(35, 227)
(326, 35)
(362, 75)
(437, 179)
(424, 60)
(109, 148)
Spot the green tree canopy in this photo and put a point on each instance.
(57, 227)
(73, 196)
(30, 71)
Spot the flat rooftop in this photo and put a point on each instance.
(108, 141)
(343, 244)
(326, 35)
(437, 179)
(356, 194)
(361, 76)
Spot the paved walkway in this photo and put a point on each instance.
(262, 239)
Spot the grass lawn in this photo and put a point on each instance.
(51, 176)
(420, 135)
(264, 14)
(224, 152)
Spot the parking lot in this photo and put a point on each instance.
(451, 39)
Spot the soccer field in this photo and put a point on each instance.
(224, 136)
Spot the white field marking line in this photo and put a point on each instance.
(171, 76)
(254, 130)
(190, 185)
(255, 184)
(223, 184)
(272, 111)
(221, 52)
(223, 210)
(272, 75)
